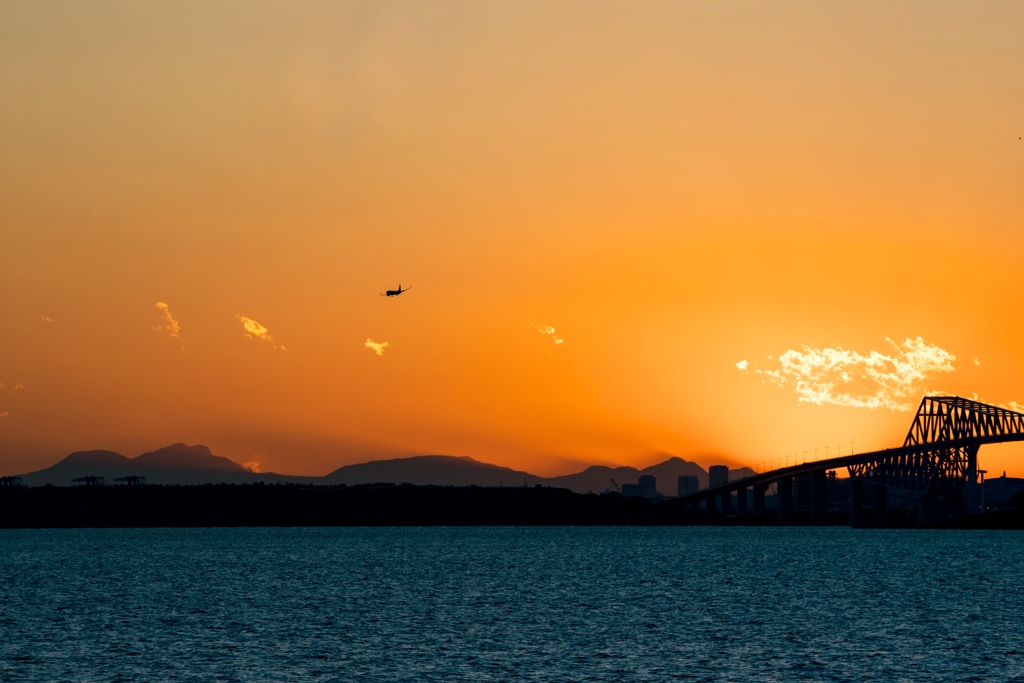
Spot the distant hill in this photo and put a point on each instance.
(174, 464)
(438, 470)
(666, 475)
(741, 473)
(191, 465)
(179, 457)
(81, 464)
(595, 479)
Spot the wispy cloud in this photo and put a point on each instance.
(168, 325)
(19, 386)
(376, 347)
(547, 329)
(253, 330)
(253, 466)
(742, 365)
(39, 318)
(842, 377)
(5, 414)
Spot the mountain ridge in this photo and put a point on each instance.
(182, 464)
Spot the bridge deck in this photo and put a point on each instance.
(773, 476)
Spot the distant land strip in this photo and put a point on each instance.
(260, 505)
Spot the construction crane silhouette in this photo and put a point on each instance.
(614, 485)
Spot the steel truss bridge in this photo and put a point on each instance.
(937, 459)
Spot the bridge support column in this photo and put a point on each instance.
(881, 505)
(858, 519)
(819, 497)
(927, 511)
(741, 502)
(785, 501)
(726, 503)
(935, 511)
(802, 489)
(759, 490)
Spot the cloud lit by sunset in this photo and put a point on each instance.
(254, 330)
(376, 347)
(550, 331)
(893, 380)
(168, 324)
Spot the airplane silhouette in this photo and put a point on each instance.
(396, 292)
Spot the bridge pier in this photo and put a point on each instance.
(877, 515)
(858, 518)
(785, 501)
(741, 502)
(802, 484)
(759, 491)
(726, 499)
(819, 497)
(927, 511)
(881, 514)
(935, 511)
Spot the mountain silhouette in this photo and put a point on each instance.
(437, 470)
(174, 464)
(81, 464)
(180, 456)
(596, 479)
(599, 478)
(193, 465)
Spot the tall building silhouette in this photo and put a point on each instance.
(687, 484)
(718, 475)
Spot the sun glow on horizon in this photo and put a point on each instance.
(700, 228)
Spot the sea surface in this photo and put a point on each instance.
(511, 604)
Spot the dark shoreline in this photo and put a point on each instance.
(256, 505)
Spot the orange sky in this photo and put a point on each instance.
(669, 188)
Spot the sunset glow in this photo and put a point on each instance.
(727, 231)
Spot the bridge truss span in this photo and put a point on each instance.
(940, 454)
(936, 461)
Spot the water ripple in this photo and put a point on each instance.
(510, 604)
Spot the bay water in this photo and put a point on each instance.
(511, 604)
